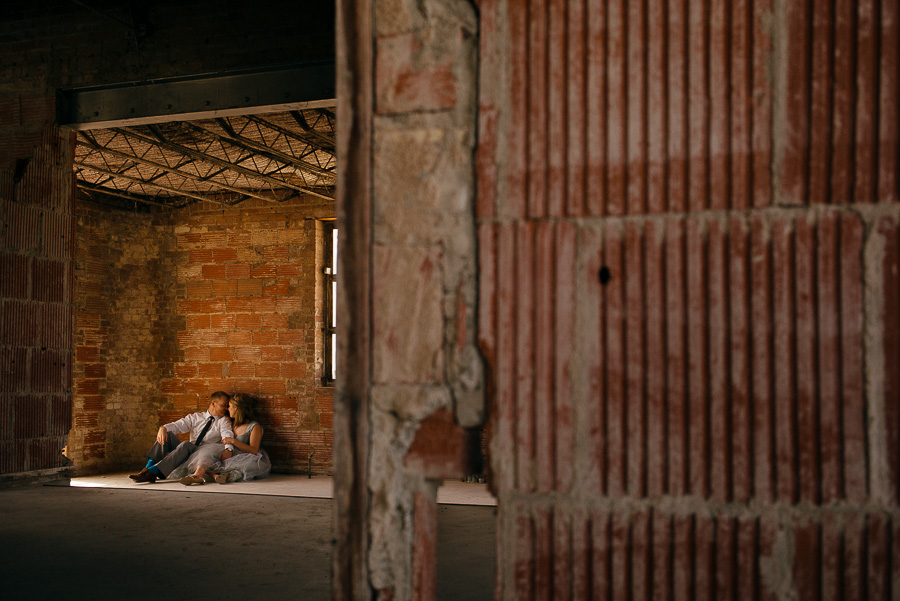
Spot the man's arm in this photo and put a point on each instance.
(185, 424)
(225, 431)
(223, 426)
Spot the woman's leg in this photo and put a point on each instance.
(205, 458)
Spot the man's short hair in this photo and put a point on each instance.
(219, 394)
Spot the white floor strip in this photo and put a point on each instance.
(452, 492)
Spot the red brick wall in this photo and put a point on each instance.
(125, 333)
(689, 294)
(249, 287)
(174, 307)
(36, 286)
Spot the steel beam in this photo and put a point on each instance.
(199, 96)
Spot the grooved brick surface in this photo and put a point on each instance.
(36, 293)
(688, 271)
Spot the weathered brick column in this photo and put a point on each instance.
(408, 270)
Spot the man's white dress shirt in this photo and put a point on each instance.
(195, 422)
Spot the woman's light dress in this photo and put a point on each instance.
(206, 455)
(245, 466)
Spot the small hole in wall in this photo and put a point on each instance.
(605, 276)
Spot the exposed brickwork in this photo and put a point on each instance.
(408, 278)
(424, 569)
(36, 288)
(689, 291)
(173, 307)
(125, 333)
(441, 449)
(722, 555)
(252, 303)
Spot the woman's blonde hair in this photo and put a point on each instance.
(244, 413)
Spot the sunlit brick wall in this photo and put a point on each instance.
(247, 284)
(171, 308)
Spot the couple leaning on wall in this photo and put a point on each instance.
(224, 445)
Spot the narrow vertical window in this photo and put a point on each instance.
(329, 368)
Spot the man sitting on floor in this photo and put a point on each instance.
(206, 427)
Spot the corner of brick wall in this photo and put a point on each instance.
(125, 333)
(171, 310)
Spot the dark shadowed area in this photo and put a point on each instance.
(87, 543)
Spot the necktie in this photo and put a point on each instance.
(204, 430)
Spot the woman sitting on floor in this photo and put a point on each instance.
(250, 461)
(205, 457)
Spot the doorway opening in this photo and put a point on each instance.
(202, 244)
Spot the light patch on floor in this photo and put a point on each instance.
(452, 492)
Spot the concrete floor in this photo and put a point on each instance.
(82, 542)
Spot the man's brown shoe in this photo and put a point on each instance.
(147, 476)
(139, 474)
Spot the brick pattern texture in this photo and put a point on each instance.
(689, 290)
(124, 340)
(173, 307)
(37, 230)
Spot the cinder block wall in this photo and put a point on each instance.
(172, 307)
(688, 225)
(57, 44)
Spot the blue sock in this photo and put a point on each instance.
(149, 463)
(155, 470)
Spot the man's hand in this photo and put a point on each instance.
(162, 435)
(225, 454)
